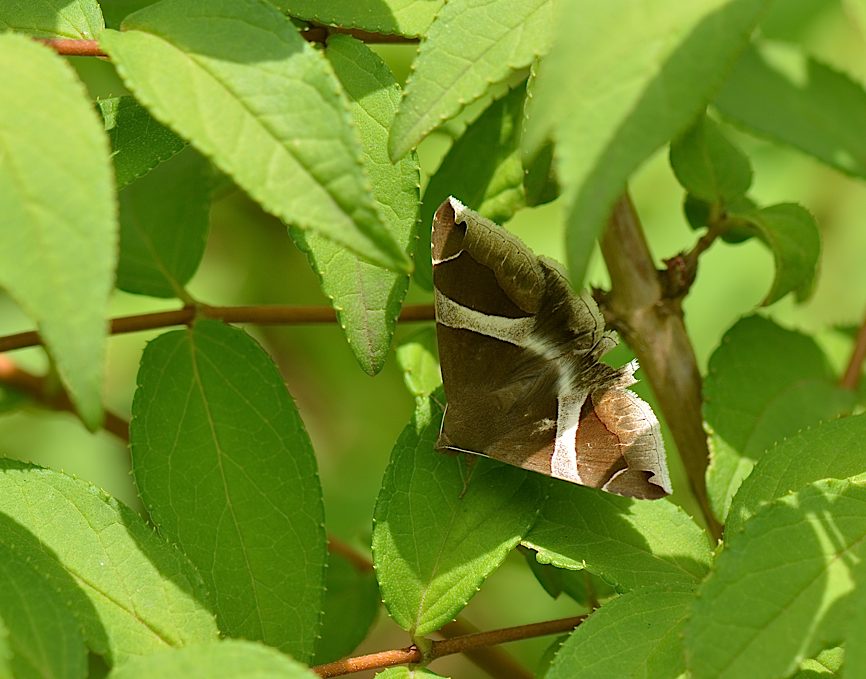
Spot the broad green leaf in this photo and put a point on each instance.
(483, 169)
(638, 634)
(443, 523)
(367, 298)
(349, 610)
(408, 673)
(410, 18)
(829, 450)
(138, 142)
(764, 383)
(815, 109)
(274, 121)
(164, 219)
(226, 470)
(115, 11)
(57, 213)
(855, 638)
(780, 589)
(43, 634)
(629, 543)
(623, 78)
(5, 652)
(229, 659)
(469, 46)
(792, 236)
(131, 592)
(53, 18)
(418, 359)
(708, 165)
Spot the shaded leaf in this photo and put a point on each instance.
(58, 214)
(792, 236)
(164, 218)
(469, 46)
(349, 611)
(393, 17)
(629, 543)
(229, 659)
(788, 97)
(131, 592)
(138, 142)
(764, 383)
(826, 664)
(780, 589)
(483, 168)
(835, 450)
(275, 122)
(53, 18)
(407, 673)
(418, 359)
(443, 523)
(638, 634)
(582, 586)
(855, 638)
(368, 298)
(622, 79)
(43, 635)
(708, 165)
(223, 464)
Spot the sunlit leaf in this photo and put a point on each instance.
(53, 18)
(395, 17)
(418, 359)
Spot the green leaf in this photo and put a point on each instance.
(469, 46)
(638, 634)
(164, 218)
(792, 236)
(58, 213)
(130, 591)
(115, 11)
(826, 664)
(275, 121)
(629, 543)
(483, 169)
(708, 165)
(350, 608)
(41, 631)
(622, 79)
(367, 298)
(855, 639)
(418, 359)
(53, 18)
(138, 142)
(764, 383)
(829, 450)
(226, 470)
(229, 659)
(408, 673)
(410, 18)
(781, 587)
(443, 523)
(815, 108)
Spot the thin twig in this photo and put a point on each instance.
(462, 644)
(851, 378)
(259, 315)
(71, 47)
(652, 325)
(493, 660)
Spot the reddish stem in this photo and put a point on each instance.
(260, 315)
(851, 378)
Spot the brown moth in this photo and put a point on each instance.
(520, 364)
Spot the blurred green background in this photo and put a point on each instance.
(353, 419)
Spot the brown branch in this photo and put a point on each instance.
(52, 396)
(652, 325)
(462, 644)
(851, 378)
(72, 47)
(495, 661)
(259, 315)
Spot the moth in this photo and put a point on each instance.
(520, 358)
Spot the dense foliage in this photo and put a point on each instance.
(753, 568)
